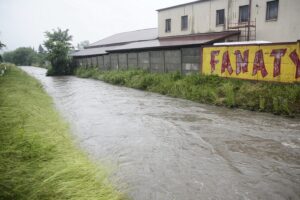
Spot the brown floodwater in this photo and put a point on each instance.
(162, 148)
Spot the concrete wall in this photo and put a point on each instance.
(107, 62)
(191, 60)
(90, 62)
(202, 19)
(114, 61)
(100, 62)
(157, 60)
(94, 61)
(184, 60)
(122, 61)
(173, 61)
(144, 60)
(132, 60)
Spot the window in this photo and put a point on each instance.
(168, 25)
(272, 10)
(244, 14)
(184, 22)
(220, 17)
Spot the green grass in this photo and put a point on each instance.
(277, 98)
(38, 159)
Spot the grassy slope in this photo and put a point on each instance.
(37, 157)
(260, 96)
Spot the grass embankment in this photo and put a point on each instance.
(38, 159)
(256, 96)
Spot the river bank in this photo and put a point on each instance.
(38, 159)
(281, 99)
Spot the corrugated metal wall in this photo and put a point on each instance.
(185, 60)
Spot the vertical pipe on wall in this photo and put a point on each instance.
(228, 11)
(249, 20)
(164, 56)
(109, 66)
(201, 60)
(97, 62)
(181, 62)
(137, 60)
(103, 62)
(149, 61)
(127, 61)
(209, 20)
(118, 59)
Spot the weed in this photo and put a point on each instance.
(260, 96)
(38, 159)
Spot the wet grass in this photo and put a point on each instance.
(38, 159)
(277, 98)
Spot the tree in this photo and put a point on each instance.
(58, 46)
(42, 57)
(8, 57)
(21, 56)
(1, 46)
(83, 44)
(41, 49)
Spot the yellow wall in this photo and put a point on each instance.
(288, 68)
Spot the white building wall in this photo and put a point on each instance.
(202, 19)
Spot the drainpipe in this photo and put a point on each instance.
(229, 5)
(249, 20)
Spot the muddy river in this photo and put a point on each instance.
(162, 148)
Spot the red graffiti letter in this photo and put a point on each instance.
(213, 60)
(295, 58)
(241, 64)
(259, 64)
(226, 63)
(277, 53)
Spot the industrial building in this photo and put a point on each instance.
(176, 45)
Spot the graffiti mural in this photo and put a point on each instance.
(268, 62)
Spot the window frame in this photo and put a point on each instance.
(168, 26)
(240, 16)
(218, 17)
(268, 10)
(184, 26)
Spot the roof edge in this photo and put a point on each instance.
(199, 34)
(121, 33)
(116, 44)
(180, 5)
(230, 33)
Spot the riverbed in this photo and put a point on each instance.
(162, 148)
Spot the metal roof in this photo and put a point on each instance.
(126, 37)
(166, 42)
(90, 52)
(190, 40)
(180, 5)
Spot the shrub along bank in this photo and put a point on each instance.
(38, 159)
(256, 96)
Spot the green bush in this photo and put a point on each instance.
(257, 96)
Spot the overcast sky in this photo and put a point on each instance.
(23, 22)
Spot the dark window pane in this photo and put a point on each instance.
(272, 10)
(244, 13)
(168, 25)
(220, 17)
(184, 22)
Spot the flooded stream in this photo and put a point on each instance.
(164, 148)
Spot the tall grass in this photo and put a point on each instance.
(276, 98)
(38, 159)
